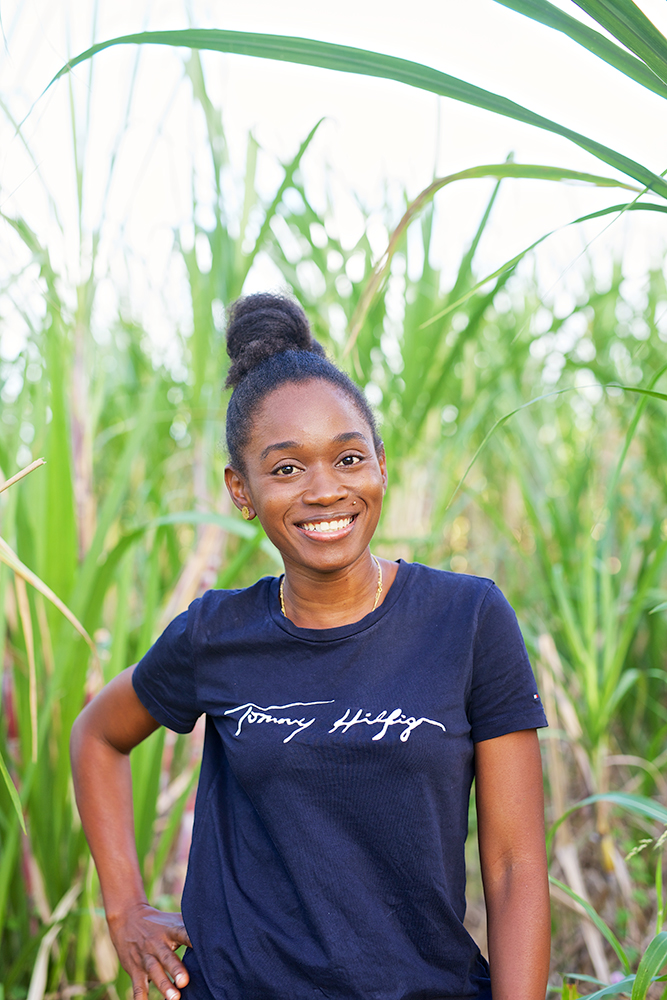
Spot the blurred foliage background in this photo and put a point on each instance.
(523, 444)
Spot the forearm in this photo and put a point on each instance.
(510, 816)
(519, 931)
(102, 737)
(103, 788)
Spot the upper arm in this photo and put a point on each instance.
(510, 802)
(116, 716)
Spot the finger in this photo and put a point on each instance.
(155, 967)
(180, 936)
(174, 966)
(139, 985)
(157, 975)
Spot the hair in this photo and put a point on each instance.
(270, 344)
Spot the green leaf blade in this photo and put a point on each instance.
(13, 793)
(597, 920)
(653, 960)
(626, 22)
(366, 63)
(597, 44)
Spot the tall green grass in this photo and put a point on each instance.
(125, 523)
(565, 504)
(623, 19)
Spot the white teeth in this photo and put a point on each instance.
(327, 525)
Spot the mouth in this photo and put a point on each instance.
(329, 529)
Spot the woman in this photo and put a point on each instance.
(348, 705)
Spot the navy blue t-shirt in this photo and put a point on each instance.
(328, 848)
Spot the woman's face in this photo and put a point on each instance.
(312, 475)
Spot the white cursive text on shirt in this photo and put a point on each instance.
(385, 720)
(255, 713)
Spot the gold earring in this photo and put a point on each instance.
(246, 512)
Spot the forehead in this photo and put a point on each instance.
(306, 411)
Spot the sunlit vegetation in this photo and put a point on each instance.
(526, 435)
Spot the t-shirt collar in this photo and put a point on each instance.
(341, 631)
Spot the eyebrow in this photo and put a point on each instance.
(350, 436)
(278, 446)
(339, 439)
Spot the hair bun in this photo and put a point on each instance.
(262, 325)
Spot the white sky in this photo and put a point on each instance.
(375, 131)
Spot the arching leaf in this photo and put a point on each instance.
(598, 44)
(345, 59)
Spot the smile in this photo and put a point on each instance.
(326, 527)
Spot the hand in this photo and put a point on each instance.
(146, 939)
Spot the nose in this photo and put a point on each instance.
(324, 487)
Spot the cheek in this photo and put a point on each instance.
(375, 492)
(273, 500)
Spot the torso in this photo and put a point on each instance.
(328, 852)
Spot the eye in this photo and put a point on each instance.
(284, 470)
(349, 460)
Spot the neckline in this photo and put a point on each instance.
(340, 631)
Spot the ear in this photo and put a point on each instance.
(382, 462)
(236, 488)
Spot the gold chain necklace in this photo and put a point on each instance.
(281, 592)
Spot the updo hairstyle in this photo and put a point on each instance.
(270, 343)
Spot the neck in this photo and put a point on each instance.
(341, 597)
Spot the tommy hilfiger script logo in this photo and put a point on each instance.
(252, 714)
(384, 720)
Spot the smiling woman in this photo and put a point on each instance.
(318, 493)
(349, 705)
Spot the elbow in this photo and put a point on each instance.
(515, 867)
(77, 737)
(84, 736)
(524, 879)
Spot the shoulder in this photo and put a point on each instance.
(454, 586)
(233, 607)
(469, 603)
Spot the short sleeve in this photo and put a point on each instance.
(503, 694)
(164, 679)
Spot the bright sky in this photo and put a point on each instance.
(375, 131)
